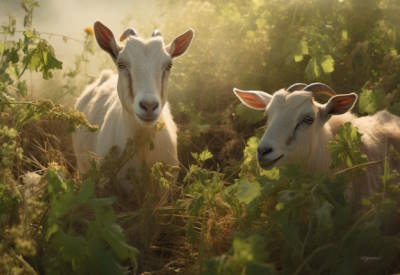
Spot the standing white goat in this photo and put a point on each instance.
(127, 105)
(299, 129)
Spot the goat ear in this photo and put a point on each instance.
(338, 105)
(255, 100)
(181, 43)
(106, 40)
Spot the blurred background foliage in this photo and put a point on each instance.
(224, 215)
(352, 45)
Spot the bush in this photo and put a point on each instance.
(223, 215)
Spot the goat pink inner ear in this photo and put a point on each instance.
(105, 39)
(342, 103)
(251, 99)
(181, 43)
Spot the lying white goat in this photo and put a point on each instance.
(299, 129)
(127, 105)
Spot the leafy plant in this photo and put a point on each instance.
(222, 214)
(81, 232)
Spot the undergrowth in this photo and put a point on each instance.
(218, 213)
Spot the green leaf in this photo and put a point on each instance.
(328, 64)
(1, 47)
(114, 237)
(301, 51)
(203, 156)
(247, 191)
(312, 71)
(28, 33)
(345, 35)
(22, 88)
(34, 61)
(298, 57)
(370, 101)
(346, 148)
(53, 228)
(323, 214)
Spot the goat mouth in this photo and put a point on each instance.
(270, 164)
(147, 120)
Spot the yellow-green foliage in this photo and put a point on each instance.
(39, 219)
(221, 214)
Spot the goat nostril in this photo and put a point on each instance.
(155, 106)
(143, 105)
(263, 151)
(148, 107)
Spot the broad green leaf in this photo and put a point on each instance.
(28, 33)
(345, 35)
(345, 149)
(324, 215)
(328, 64)
(370, 101)
(34, 61)
(279, 206)
(22, 87)
(115, 238)
(301, 51)
(304, 47)
(45, 53)
(298, 57)
(312, 71)
(51, 231)
(203, 156)
(1, 47)
(248, 191)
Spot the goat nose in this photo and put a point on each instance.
(148, 106)
(263, 151)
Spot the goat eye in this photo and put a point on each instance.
(308, 120)
(168, 68)
(121, 66)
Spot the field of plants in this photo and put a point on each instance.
(224, 214)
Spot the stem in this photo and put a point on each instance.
(23, 70)
(355, 225)
(370, 163)
(2, 54)
(23, 102)
(316, 251)
(306, 239)
(26, 64)
(25, 264)
(50, 34)
(385, 168)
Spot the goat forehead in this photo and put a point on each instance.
(139, 49)
(283, 102)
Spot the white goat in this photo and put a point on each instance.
(127, 105)
(299, 129)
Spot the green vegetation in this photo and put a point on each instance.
(224, 215)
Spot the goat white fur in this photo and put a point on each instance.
(299, 130)
(127, 105)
